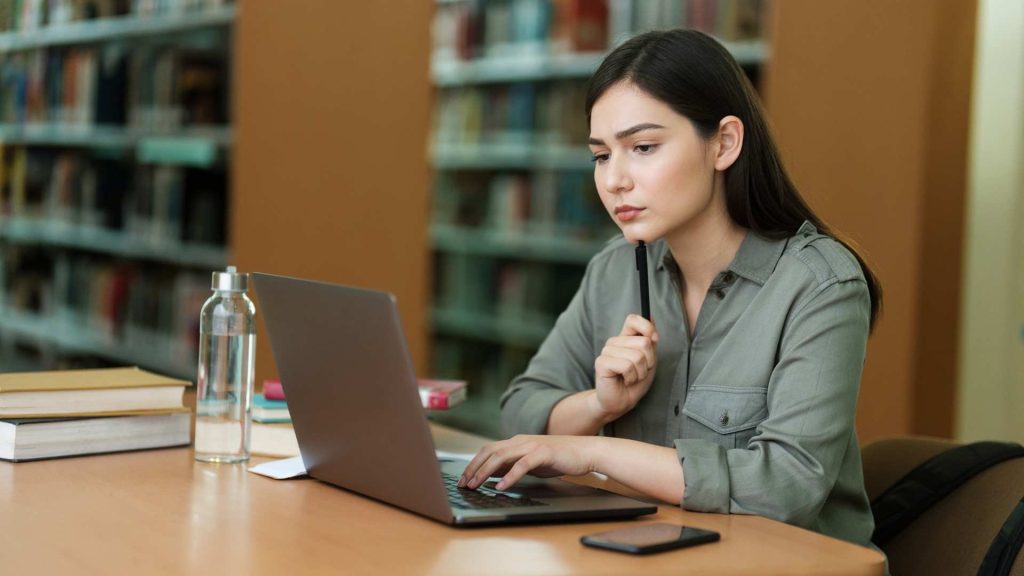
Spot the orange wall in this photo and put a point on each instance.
(330, 178)
(870, 103)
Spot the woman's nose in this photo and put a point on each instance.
(616, 176)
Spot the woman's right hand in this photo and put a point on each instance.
(625, 369)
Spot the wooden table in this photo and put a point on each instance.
(159, 512)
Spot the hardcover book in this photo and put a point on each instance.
(273, 440)
(272, 390)
(264, 410)
(37, 438)
(442, 394)
(94, 392)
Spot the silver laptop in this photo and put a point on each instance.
(354, 402)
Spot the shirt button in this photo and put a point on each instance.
(720, 293)
(729, 278)
(677, 410)
(724, 418)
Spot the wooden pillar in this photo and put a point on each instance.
(330, 177)
(870, 103)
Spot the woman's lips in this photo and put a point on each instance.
(625, 214)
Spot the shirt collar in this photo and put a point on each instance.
(755, 260)
(757, 257)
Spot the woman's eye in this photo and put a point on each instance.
(599, 158)
(645, 148)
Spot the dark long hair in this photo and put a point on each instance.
(699, 79)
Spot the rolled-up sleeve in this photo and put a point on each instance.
(789, 468)
(562, 366)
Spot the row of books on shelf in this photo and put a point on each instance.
(525, 112)
(147, 8)
(555, 203)
(172, 204)
(155, 203)
(116, 302)
(474, 29)
(150, 87)
(526, 292)
(732, 20)
(29, 15)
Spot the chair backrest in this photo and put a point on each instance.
(954, 534)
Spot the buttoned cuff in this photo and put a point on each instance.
(705, 475)
(532, 413)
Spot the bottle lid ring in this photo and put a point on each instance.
(230, 280)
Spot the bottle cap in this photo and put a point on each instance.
(230, 280)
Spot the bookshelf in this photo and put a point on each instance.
(141, 25)
(508, 156)
(115, 145)
(154, 350)
(515, 216)
(485, 327)
(447, 72)
(199, 147)
(59, 234)
(548, 247)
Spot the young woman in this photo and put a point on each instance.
(739, 395)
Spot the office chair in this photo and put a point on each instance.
(954, 534)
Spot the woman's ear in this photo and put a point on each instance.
(730, 142)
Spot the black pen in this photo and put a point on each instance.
(641, 266)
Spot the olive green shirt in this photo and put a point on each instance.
(759, 402)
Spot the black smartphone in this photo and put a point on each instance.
(649, 538)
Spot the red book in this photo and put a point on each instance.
(272, 390)
(442, 394)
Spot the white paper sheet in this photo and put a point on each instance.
(294, 468)
(281, 469)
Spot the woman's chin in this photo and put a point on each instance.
(634, 235)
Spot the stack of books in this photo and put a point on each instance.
(270, 406)
(76, 412)
(272, 432)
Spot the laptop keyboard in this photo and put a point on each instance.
(483, 497)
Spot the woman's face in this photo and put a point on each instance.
(655, 174)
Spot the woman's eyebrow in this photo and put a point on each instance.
(628, 132)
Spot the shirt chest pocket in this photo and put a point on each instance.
(727, 416)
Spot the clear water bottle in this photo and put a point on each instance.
(227, 351)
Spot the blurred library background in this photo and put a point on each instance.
(436, 149)
(114, 135)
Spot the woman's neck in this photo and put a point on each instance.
(705, 247)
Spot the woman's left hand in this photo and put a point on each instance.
(543, 456)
